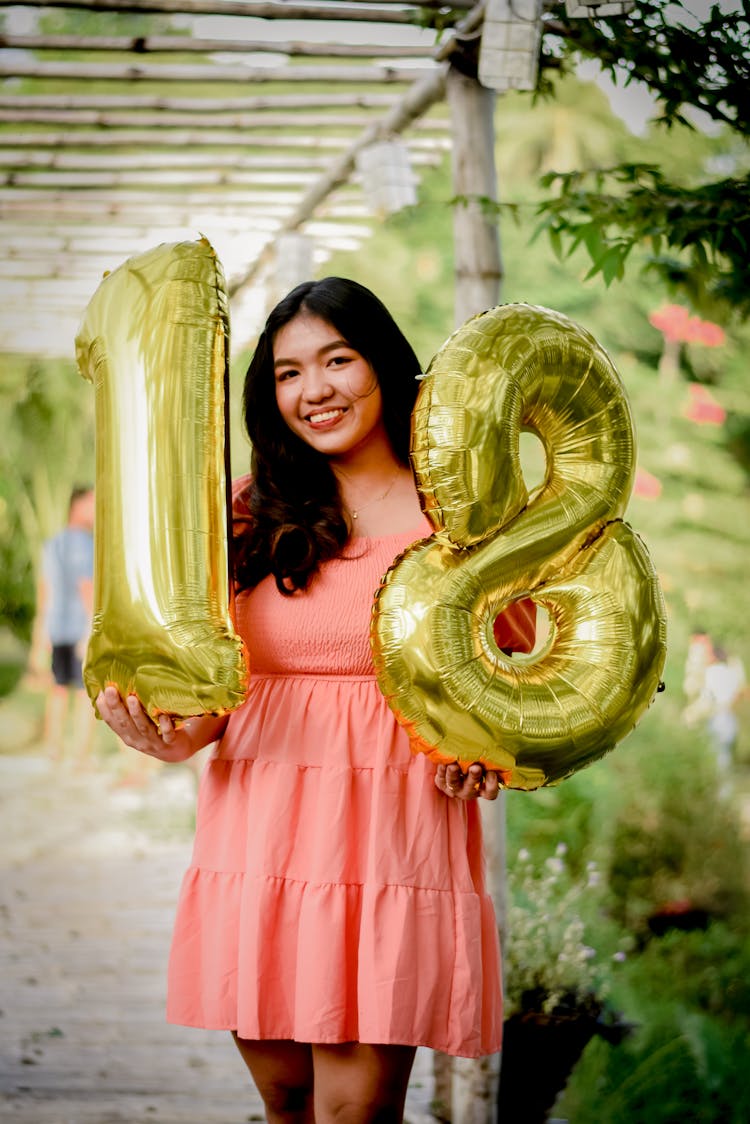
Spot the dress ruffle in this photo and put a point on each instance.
(335, 895)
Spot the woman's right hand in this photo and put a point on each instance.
(166, 742)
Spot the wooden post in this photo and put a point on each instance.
(478, 275)
(476, 243)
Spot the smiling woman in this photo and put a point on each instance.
(328, 854)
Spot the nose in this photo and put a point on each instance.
(317, 385)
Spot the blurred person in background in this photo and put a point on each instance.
(699, 655)
(66, 595)
(724, 686)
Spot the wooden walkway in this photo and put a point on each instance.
(89, 878)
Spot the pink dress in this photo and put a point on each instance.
(335, 894)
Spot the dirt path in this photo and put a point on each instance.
(89, 877)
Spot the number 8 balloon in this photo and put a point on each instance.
(154, 343)
(535, 719)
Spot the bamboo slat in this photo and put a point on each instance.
(166, 44)
(30, 161)
(354, 12)
(126, 118)
(354, 99)
(144, 72)
(140, 138)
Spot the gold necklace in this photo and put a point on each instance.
(355, 514)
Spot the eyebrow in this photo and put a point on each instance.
(333, 346)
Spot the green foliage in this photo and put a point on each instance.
(664, 787)
(46, 415)
(678, 1067)
(707, 971)
(687, 994)
(689, 64)
(710, 225)
(684, 58)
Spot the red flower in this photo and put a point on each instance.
(676, 324)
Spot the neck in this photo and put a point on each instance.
(368, 479)
(366, 468)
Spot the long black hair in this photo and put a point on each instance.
(296, 519)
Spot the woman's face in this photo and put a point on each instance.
(327, 393)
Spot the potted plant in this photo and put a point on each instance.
(556, 984)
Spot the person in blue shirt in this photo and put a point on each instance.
(66, 600)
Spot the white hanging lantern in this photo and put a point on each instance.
(294, 260)
(592, 9)
(387, 179)
(509, 51)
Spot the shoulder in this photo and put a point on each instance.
(241, 487)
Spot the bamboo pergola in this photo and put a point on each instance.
(243, 120)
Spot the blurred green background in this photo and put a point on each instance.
(667, 838)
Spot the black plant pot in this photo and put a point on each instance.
(539, 1053)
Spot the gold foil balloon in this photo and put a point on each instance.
(535, 719)
(154, 342)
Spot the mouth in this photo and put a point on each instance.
(325, 417)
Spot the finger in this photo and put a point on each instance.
(113, 709)
(454, 779)
(473, 782)
(102, 705)
(107, 700)
(440, 780)
(491, 788)
(166, 728)
(139, 718)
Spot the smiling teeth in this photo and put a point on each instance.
(326, 415)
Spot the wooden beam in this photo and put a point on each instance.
(68, 264)
(123, 119)
(14, 202)
(249, 104)
(27, 243)
(145, 72)
(207, 177)
(15, 199)
(66, 160)
(127, 119)
(169, 44)
(140, 138)
(268, 10)
(38, 241)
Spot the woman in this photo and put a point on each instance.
(335, 915)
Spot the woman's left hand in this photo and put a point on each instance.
(475, 782)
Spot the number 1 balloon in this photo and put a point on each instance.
(535, 719)
(153, 341)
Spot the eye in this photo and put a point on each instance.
(283, 375)
(340, 360)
